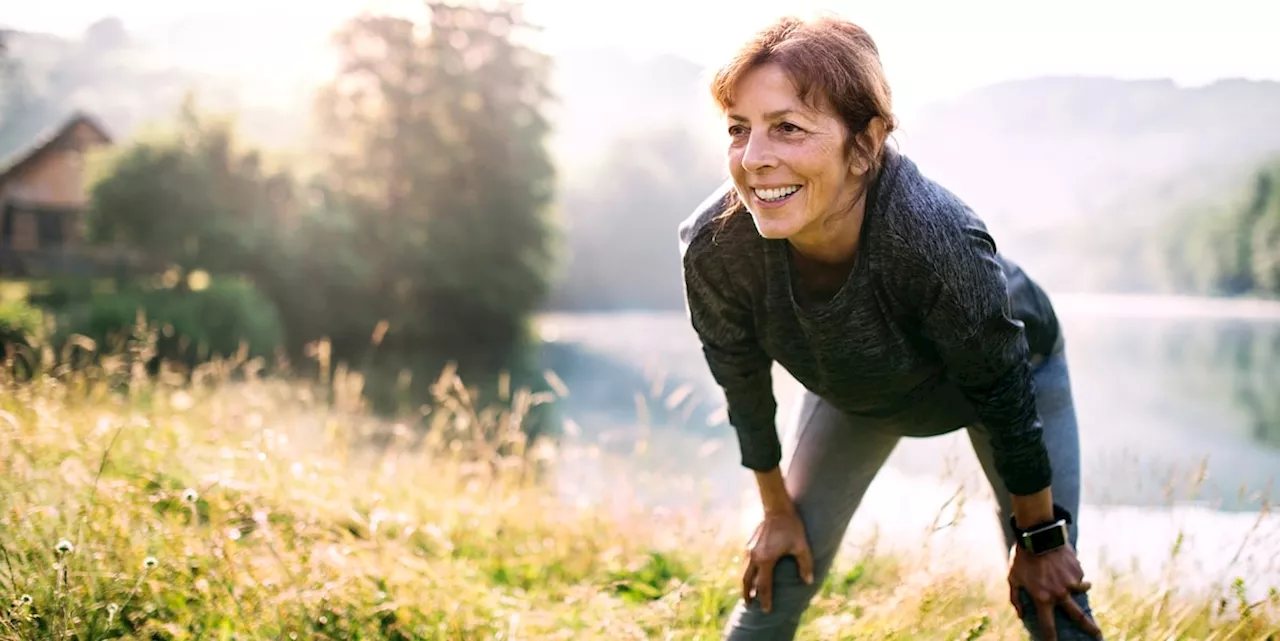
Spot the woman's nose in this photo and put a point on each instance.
(758, 154)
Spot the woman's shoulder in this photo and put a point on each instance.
(925, 224)
(708, 234)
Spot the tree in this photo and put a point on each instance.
(190, 199)
(436, 137)
(1264, 236)
(1233, 249)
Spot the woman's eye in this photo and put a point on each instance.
(737, 130)
(788, 128)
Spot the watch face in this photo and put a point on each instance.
(1047, 538)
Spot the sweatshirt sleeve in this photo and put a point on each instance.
(722, 318)
(959, 291)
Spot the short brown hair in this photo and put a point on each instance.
(834, 65)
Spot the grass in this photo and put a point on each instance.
(237, 507)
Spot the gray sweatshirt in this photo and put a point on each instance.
(929, 300)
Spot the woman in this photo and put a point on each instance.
(883, 295)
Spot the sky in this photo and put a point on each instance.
(931, 49)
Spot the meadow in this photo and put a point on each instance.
(223, 503)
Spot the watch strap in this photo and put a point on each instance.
(1047, 536)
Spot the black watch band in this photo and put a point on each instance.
(1044, 537)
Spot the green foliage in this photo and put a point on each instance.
(189, 199)
(429, 218)
(19, 321)
(219, 511)
(190, 326)
(650, 577)
(1232, 249)
(58, 293)
(438, 161)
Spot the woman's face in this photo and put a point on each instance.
(787, 160)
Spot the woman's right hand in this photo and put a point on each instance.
(779, 534)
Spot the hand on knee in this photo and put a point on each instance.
(778, 550)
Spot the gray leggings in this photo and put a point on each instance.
(836, 458)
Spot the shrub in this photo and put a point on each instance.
(60, 293)
(18, 321)
(190, 326)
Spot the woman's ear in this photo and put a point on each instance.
(867, 146)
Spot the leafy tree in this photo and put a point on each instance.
(1234, 248)
(190, 199)
(436, 137)
(1264, 237)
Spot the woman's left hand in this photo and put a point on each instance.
(1050, 579)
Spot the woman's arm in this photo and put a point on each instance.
(773, 493)
(956, 287)
(724, 324)
(1033, 509)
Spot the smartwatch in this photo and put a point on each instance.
(1044, 537)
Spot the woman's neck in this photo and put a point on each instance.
(833, 240)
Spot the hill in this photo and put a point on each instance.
(128, 80)
(1096, 164)
(1072, 173)
(1078, 177)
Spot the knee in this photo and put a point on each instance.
(790, 592)
(791, 597)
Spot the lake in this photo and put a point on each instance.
(1179, 408)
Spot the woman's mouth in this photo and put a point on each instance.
(776, 195)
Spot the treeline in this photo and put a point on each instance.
(420, 233)
(1231, 248)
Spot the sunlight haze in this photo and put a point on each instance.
(350, 304)
(932, 50)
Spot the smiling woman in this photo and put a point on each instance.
(882, 293)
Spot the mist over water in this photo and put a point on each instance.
(1079, 177)
(1179, 409)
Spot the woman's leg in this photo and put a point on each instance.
(833, 464)
(1058, 416)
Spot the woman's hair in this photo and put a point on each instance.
(834, 65)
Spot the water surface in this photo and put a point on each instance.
(1178, 401)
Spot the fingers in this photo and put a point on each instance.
(748, 580)
(1077, 614)
(1044, 611)
(1013, 598)
(804, 558)
(764, 585)
(1081, 587)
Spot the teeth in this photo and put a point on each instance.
(777, 193)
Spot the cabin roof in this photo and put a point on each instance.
(32, 152)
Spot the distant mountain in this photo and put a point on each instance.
(267, 77)
(1049, 149)
(1080, 178)
(1069, 171)
(1072, 173)
(128, 82)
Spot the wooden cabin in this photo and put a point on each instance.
(42, 195)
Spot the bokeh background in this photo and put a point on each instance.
(392, 187)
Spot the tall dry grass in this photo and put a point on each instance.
(235, 506)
